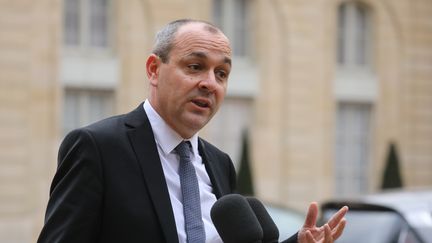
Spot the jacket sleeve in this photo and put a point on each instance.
(74, 207)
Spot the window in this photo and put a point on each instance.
(353, 136)
(89, 73)
(354, 35)
(233, 17)
(355, 89)
(86, 23)
(84, 106)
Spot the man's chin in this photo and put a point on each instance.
(196, 122)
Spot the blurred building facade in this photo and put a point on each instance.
(322, 87)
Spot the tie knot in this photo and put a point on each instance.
(183, 149)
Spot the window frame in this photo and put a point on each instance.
(84, 46)
(82, 111)
(350, 32)
(357, 179)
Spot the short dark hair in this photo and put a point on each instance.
(165, 37)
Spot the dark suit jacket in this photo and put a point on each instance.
(110, 186)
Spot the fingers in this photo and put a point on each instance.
(328, 238)
(337, 217)
(337, 232)
(309, 237)
(327, 234)
(311, 216)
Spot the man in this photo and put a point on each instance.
(118, 179)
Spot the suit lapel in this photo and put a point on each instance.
(209, 165)
(142, 139)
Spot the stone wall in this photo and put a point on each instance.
(291, 116)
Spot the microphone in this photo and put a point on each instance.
(235, 220)
(270, 230)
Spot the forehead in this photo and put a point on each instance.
(198, 37)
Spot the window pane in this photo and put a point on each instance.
(354, 35)
(341, 34)
(71, 22)
(84, 106)
(240, 28)
(361, 35)
(70, 110)
(352, 148)
(98, 23)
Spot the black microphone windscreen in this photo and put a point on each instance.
(270, 230)
(235, 221)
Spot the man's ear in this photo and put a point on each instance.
(152, 67)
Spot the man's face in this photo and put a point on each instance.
(189, 89)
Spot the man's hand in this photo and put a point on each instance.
(327, 233)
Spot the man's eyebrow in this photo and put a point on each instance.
(198, 54)
(203, 55)
(227, 60)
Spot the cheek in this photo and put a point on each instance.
(221, 93)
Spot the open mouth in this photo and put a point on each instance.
(201, 103)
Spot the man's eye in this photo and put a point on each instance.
(194, 66)
(221, 74)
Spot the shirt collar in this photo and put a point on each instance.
(165, 136)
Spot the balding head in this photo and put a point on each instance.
(165, 38)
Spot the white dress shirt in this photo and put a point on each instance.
(167, 139)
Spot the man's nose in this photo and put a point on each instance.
(208, 82)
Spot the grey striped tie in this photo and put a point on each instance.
(191, 197)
